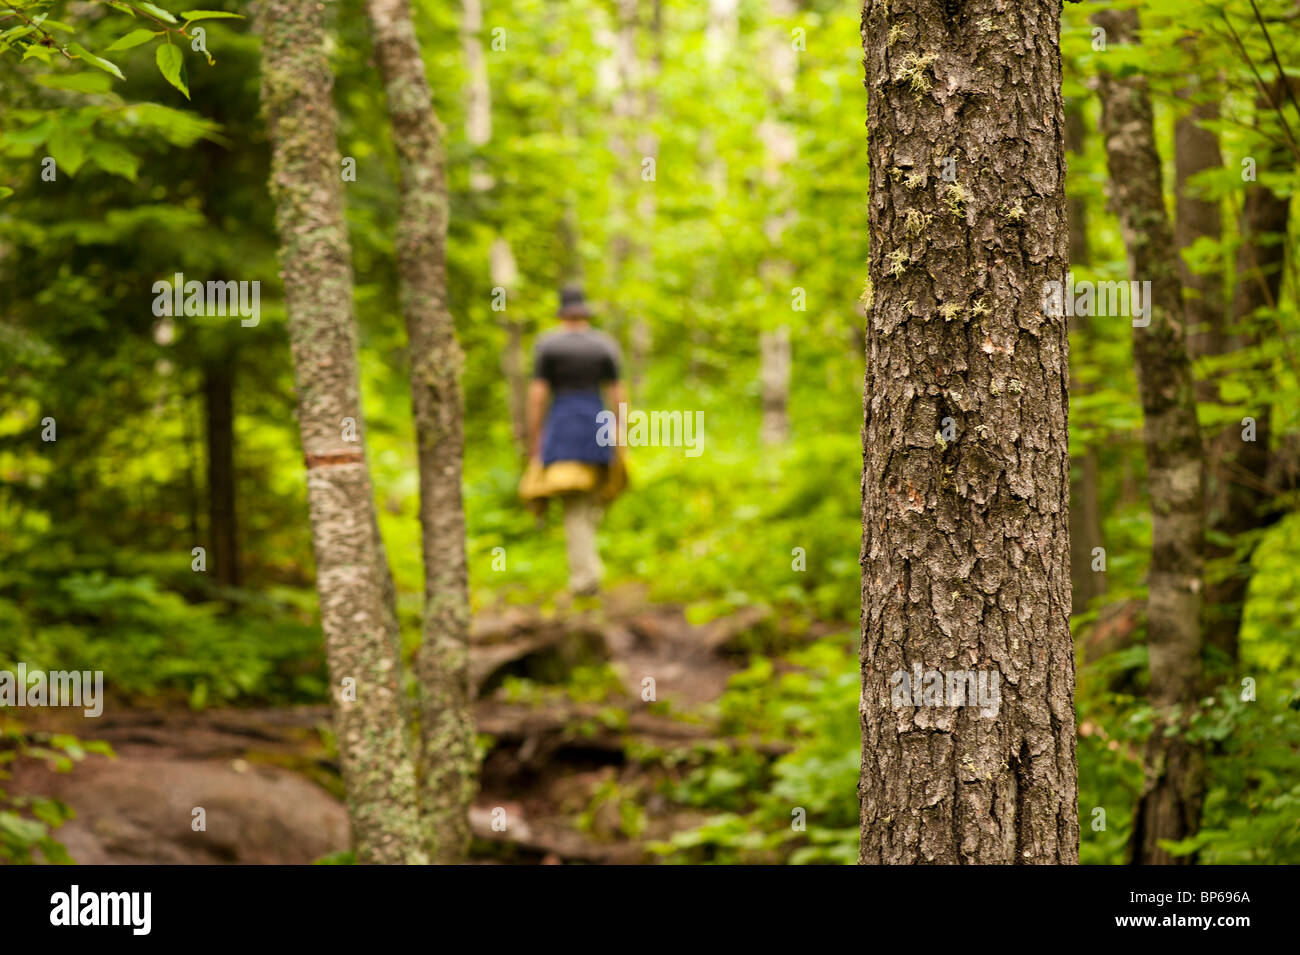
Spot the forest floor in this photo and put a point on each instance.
(568, 775)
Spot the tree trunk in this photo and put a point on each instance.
(501, 260)
(218, 401)
(641, 337)
(1085, 510)
(965, 485)
(780, 149)
(1237, 500)
(1170, 804)
(447, 760)
(619, 82)
(1196, 150)
(514, 367)
(774, 383)
(316, 264)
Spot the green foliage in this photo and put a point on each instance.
(815, 784)
(28, 821)
(97, 528)
(150, 642)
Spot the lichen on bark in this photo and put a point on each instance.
(448, 764)
(374, 753)
(965, 552)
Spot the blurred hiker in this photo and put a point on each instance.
(570, 366)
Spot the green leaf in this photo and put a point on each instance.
(24, 830)
(171, 63)
(131, 40)
(31, 136)
(105, 65)
(78, 82)
(158, 12)
(210, 15)
(17, 33)
(42, 53)
(68, 149)
(5, 192)
(113, 158)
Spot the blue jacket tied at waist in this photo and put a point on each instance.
(571, 427)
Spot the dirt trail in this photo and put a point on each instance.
(552, 783)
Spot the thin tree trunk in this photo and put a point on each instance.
(447, 761)
(965, 553)
(721, 34)
(218, 402)
(621, 82)
(501, 259)
(781, 148)
(505, 275)
(1170, 804)
(1196, 150)
(641, 336)
(316, 262)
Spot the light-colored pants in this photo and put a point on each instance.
(582, 514)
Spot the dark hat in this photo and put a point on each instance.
(573, 304)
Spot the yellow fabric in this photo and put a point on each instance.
(574, 477)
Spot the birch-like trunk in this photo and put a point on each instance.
(316, 264)
(501, 259)
(965, 483)
(447, 759)
(780, 149)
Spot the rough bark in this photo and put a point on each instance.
(1170, 804)
(218, 404)
(965, 554)
(447, 758)
(316, 266)
(1085, 509)
(1238, 499)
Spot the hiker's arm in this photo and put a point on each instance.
(539, 393)
(617, 395)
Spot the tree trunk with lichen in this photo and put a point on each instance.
(965, 485)
(447, 761)
(316, 265)
(1170, 804)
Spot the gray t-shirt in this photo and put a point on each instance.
(576, 361)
